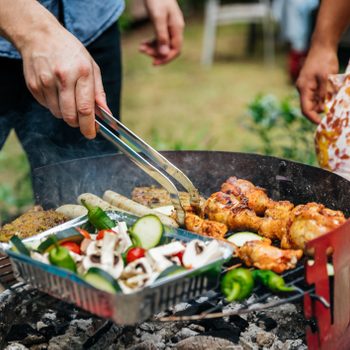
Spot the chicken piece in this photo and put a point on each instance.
(227, 209)
(31, 223)
(308, 222)
(262, 255)
(256, 197)
(274, 225)
(205, 227)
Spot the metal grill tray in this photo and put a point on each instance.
(122, 308)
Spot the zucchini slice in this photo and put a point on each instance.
(101, 279)
(240, 238)
(147, 231)
(19, 245)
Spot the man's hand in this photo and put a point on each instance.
(168, 24)
(312, 82)
(59, 71)
(62, 76)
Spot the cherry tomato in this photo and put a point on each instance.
(180, 255)
(72, 246)
(83, 233)
(134, 254)
(101, 234)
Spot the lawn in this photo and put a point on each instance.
(182, 105)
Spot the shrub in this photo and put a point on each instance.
(281, 129)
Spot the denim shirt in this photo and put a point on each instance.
(86, 19)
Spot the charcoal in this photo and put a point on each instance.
(196, 327)
(20, 332)
(240, 322)
(184, 333)
(42, 346)
(197, 308)
(45, 323)
(16, 346)
(265, 339)
(266, 322)
(205, 343)
(146, 345)
(105, 340)
(224, 334)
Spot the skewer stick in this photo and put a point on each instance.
(206, 316)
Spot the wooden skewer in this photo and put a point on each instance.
(240, 311)
(233, 267)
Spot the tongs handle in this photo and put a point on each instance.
(114, 128)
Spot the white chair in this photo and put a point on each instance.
(217, 14)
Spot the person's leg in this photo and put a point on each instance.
(10, 88)
(48, 140)
(106, 53)
(5, 128)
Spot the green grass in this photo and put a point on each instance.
(180, 106)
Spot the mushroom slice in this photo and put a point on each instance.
(197, 253)
(162, 257)
(136, 275)
(111, 261)
(76, 257)
(124, 241)
(85, 244)
(92, 260)
(94, 247)
(101, 254)
(109, 243)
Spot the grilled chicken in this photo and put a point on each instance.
(31, 223)
(274, 224)
(262, 255)
(242, 206)
(255, 197)
(227, 209)
(205, 227)
(308, 222)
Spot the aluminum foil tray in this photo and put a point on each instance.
(122, 308)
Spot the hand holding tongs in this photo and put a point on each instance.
(111, 129)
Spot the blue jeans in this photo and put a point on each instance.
(45, 139)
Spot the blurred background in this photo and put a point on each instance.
(232, 89)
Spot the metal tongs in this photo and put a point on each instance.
(112, 129)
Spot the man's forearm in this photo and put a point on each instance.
(22, 20)
(333, 19)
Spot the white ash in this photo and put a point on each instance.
(16, 346)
